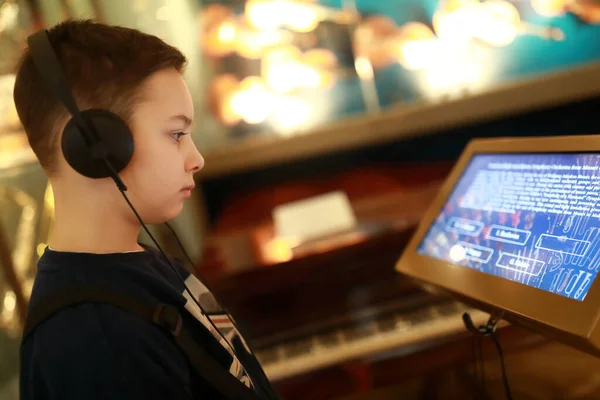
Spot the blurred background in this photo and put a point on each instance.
(368, 101)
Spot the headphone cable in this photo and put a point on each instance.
(186, 287)
(203, 280)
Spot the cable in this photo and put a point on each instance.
(186, 287)
(489, 329)
(481, 361)
(504, 376)
(161, 250)
(475, 360)
(204, 281)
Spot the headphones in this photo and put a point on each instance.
(95, 143)
(99, 144)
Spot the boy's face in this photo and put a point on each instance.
(165, 157)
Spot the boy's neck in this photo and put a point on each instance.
(80, 242)
(93, 230)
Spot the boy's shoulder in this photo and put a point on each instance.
(97, 324)
(97, 328)
(95, 349)
(104, 340)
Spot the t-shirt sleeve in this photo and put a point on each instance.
(96, 351)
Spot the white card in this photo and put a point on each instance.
(314, 217)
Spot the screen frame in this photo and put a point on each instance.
(488, 291)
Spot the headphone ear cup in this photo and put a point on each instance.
(113, 132)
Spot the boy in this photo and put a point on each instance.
(97, 350)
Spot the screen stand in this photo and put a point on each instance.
(489, 329)
(484, 330)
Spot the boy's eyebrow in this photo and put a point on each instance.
(187, 120)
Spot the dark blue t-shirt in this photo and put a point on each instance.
(98, 351)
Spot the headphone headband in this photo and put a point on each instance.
(47, 64)
(103, 158)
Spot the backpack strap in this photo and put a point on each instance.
(165, 316)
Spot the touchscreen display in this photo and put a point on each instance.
(529, 218)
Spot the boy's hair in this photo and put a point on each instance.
(104, 66)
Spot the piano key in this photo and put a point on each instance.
(330, 339)
(421, 316)
(386, 324)
(359, 331)
(402, 324)
(267, 356)
(448, 308)
(299, 347)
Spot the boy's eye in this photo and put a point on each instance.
(178, 135)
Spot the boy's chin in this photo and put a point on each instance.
(165, 216)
